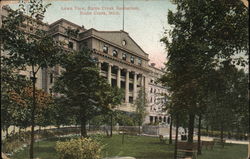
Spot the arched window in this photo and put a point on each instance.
(115, 53)
(132, 59)
(105, 49)
(124, 56)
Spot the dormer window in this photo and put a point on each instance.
(105, 49)
(115, 53)
(132, 59)
(124, 56)
(124, 42)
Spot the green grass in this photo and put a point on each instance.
(230, 151)
(140, 147)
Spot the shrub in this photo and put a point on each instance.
(82, 148)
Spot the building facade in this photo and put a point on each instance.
(157, 97)
(120, 59)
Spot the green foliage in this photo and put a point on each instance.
(10, 82)
(141, 104)
(124, 119)
(83, 148)
(228, 100)
(202, 38)
(29, 49)
(83, 89)
(35, 49)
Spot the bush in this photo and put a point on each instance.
(82, 148)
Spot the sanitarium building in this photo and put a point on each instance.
(120, 59)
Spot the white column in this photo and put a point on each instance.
(127, 87)
(119, 77)
(109, 73)
(146, 81)
(135, 87)
(142, 81)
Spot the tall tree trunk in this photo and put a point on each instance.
(39, 129)
(2, 140)
(111, 125)
(176, 137)
(207, 130)
(33, 115)
(199, 135)
(83, 127)
(222, 134)
(191, 128)
(170, 130)
(139, 124)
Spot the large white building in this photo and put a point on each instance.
(120, 59)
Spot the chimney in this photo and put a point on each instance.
(153, 64)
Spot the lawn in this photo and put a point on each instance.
(140, 147)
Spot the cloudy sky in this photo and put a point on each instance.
(144, 20)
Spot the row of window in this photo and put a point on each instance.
(155, 91)
(124, 55)
(157, 100)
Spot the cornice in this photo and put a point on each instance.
(120, 60)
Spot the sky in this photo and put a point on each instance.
(144, 20)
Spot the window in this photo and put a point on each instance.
(124, 56)
(151, 90)
(50, 91)
(132, 59)
(71, 45)
(115, 53)
(139, 61)
(51, 78)
(105, 49)
(130, 99)
(124, 42)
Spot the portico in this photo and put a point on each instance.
(123, 78)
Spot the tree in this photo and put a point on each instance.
(11, 82)
(32, 50)
(141, 104)
(203, 34)
(228, 99)
(83, 89)
(21, 112)
(114, 100)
